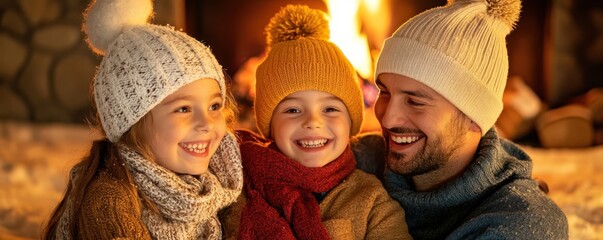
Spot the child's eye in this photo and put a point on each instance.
(292, 110)
(331, 109)
(183, 109)
(215, 107)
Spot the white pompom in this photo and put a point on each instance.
(104, 20)
(504, 10)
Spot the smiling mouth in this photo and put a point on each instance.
(195, 147)
(404, 140)
(313, 143)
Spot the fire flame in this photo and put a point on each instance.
(346, 24)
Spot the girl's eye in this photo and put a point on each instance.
(183, 109)
(215, 107)
(292, 110)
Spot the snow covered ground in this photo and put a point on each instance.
(35, 159)
(576, 185)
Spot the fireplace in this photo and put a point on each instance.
(556, 48)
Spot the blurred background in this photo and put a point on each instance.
(553, 101)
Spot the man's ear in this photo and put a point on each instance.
(474, 127)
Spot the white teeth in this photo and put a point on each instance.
(197, 147)
(405, 140)
(312, 143)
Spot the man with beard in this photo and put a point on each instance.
(441, 77)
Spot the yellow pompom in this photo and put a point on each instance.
(297, 21)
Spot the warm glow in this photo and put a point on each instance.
(376, 22)
(345, 33)
(372, 5)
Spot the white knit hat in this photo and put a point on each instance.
(458, 50)
(142, 64)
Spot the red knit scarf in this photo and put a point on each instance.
(279, 190)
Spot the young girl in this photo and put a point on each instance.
(168, 163)
(302, 182)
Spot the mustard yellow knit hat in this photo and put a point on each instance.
(458, 50)
(302, 58)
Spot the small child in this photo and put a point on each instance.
(301, 182)
(168, 163)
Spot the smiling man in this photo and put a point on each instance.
(441, 77)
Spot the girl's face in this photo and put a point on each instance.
(311, 127)
(188, 127)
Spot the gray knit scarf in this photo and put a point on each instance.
(188, 206)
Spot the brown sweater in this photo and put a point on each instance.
(358, 208)
(107, 211)
(184, 206)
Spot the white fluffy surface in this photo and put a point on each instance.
(104, 20)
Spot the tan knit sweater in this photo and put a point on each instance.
(358, 208)
(108, 201)
(186, 206)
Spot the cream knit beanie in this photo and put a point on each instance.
(458, 50)
(302, 58)
(142, 64)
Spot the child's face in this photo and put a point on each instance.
(188, 127)
(311, 127)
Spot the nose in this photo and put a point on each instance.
(390, 114)
(202, 122)
(313, 120)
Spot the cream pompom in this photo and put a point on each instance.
(296, 21)
(504, 10)
(104, 20)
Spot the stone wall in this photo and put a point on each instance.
(45, 65)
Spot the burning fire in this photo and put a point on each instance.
(349, 18)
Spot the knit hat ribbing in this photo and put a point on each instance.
(302, 58)
(458, 50)
(142, 64)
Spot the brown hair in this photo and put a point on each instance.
(103, 156)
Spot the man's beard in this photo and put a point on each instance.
(434, 154)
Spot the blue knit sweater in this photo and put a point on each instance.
(495, 198)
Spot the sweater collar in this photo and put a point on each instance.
(434, 213)
(187, 205)
(495, 162)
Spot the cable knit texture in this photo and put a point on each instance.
(187, 205)
(142, 64)
(280, 189)
(495, 198)
(458, 50)
(304, 59)
(357, 208)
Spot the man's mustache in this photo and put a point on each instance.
(401, 130)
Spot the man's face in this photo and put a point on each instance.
(423, 131)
